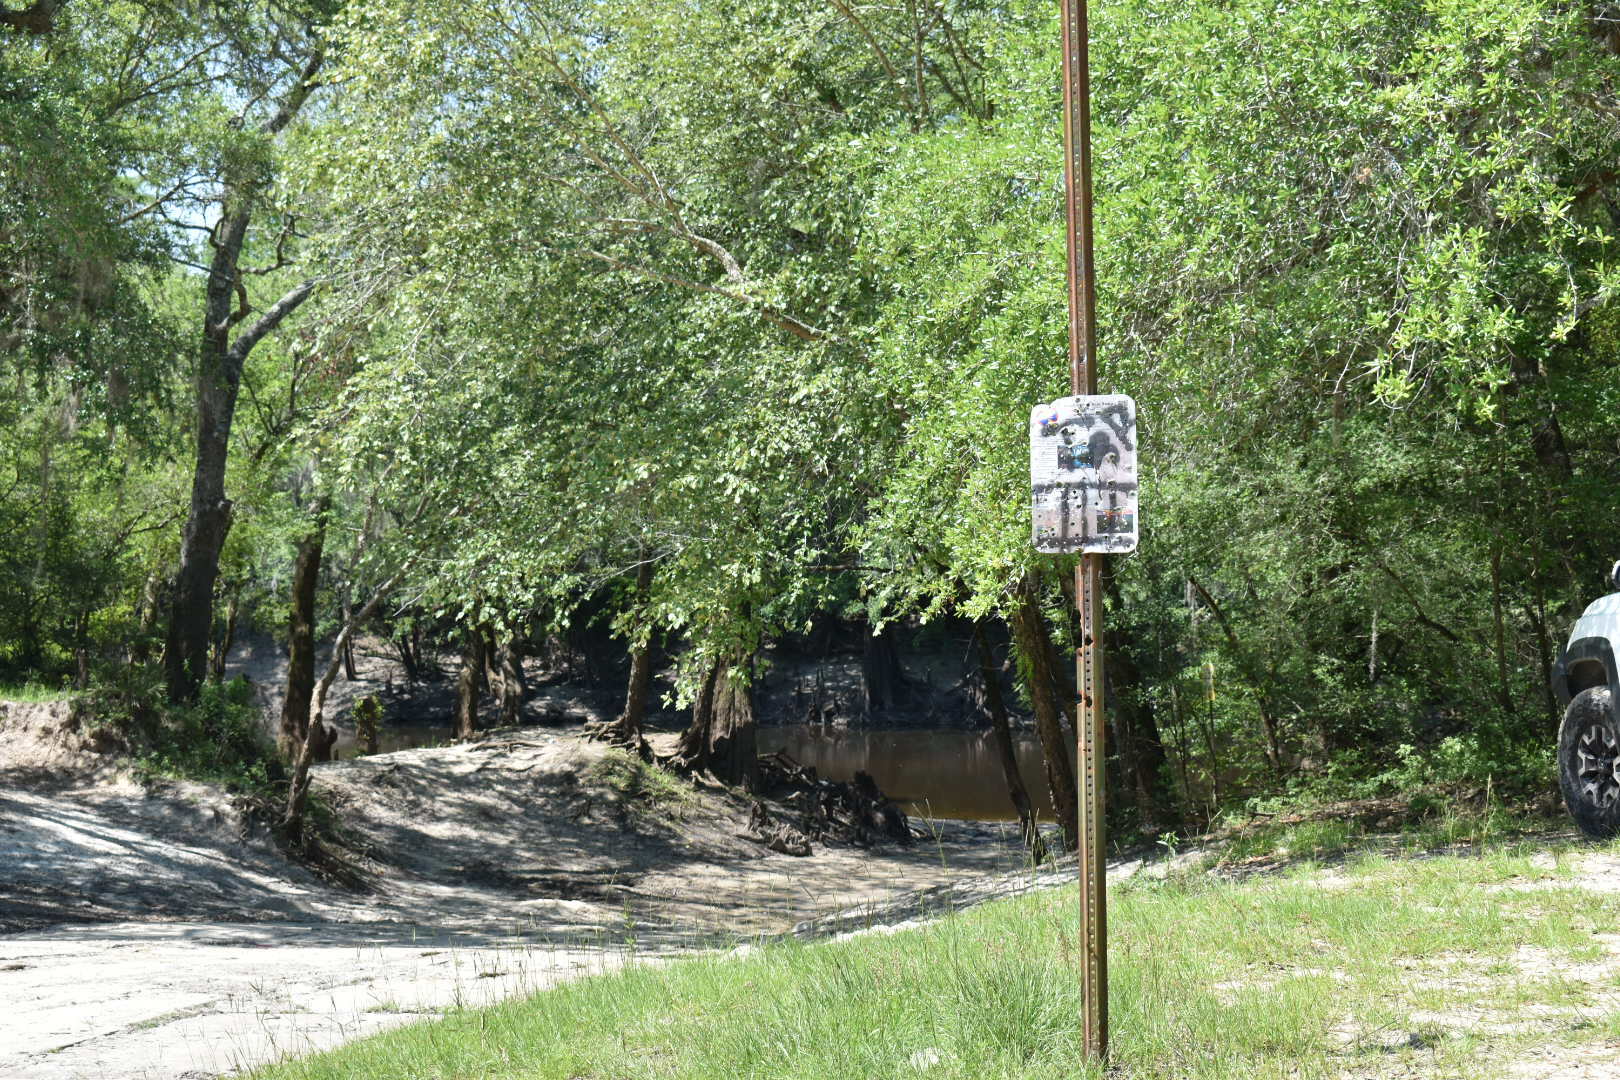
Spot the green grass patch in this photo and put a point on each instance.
(649, 790)
(33, 693)
(1329, 831)
(1305, 840)
(1436, 966)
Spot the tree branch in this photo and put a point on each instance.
(1423, 620)
(269, 320)
(297, 95)
(38, 18)
(184, 182)
(289, 229)
(883, 57)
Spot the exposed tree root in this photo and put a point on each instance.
(852, 813)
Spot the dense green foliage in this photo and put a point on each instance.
(759, 293)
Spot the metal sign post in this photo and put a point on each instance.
(1083, 498)
(1088, 576)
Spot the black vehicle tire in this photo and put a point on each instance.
(1588, 754)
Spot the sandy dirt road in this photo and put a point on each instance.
(152, 932)
(155, 1001)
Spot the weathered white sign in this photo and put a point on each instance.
(1082, 474)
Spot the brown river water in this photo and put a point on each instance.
(942, 773)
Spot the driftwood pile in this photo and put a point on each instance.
(855, 813)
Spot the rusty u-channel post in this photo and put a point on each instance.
(1087, 582)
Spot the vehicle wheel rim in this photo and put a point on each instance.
(1598, 754)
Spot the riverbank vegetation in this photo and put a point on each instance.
(666, 335)
(1312, 973)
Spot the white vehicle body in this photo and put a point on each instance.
(1588, 659)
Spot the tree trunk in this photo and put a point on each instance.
(1504, 695)
(882, 677)
(1029, 630)
(227, 638)
(1545, 654)
(492, 663)
(1140, 745)
(1540, 414)
(489, 671)
(472, 667)
(1210, 745)
(218, 378)
(185, 654)
(349, 674)
(997, 707)
(1183, 749)
(301, 636)
(407, 659)
(509, 661)
(81, 651)
(316, 733)
(140, 649)
(692, 753)
(626, 730)
(348, 646)
(733, 752)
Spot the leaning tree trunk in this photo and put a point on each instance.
(1004, 746)
(317, 734)
(472, 669)
(1034, 640)
(301, 636)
